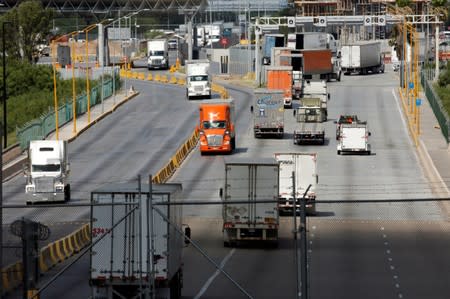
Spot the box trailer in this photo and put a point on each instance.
(250, 182)
(304, 166)
(353, 138)
(268, 112)
(362, 57)
(121, 231)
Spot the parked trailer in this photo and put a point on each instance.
(119, 261)
(304, 165)
(362, 57)
(250, 181)
(268, 112)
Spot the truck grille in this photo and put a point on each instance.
(156, 61)
(44, 184)
(215, 140)
(198, 88)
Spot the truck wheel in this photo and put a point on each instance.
(67, 193)
(175, 286)
(226, 244)
(233, 143)
(338, 152)
(368, 153)
(339, 77)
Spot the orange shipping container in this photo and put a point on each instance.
(317, 62)
(280, 77)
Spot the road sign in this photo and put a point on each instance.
(418, 102)
(291, 22)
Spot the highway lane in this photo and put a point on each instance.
(138, 138)
(355, 251)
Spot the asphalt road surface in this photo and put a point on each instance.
(354, 250)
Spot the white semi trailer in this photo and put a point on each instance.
(251, 183)
(135, 247)
(362, 57)
(304, 165)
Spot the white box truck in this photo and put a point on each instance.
(353, 138)
(48, 171)
(198, 79)
(268, 112)
(250, 181)
(158, 54)
(126, 257)
(362, 57)
(304, 165)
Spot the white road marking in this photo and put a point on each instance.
(211, 279)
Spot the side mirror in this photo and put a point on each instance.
(220, 192)
(251, 109)
(187, 233)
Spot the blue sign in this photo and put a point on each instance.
(418, 102)
(411, 85)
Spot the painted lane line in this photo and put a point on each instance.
(211, 279)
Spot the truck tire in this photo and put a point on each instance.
(368, 153)
(339, 77)
(67, 193)
(338, 152)
(233, 143)
(175, 286)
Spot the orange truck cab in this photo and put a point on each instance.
(217, 126)
(280, 77)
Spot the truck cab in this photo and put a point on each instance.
(48, 171)
(198, 79)
(216, 127)
(158, 54)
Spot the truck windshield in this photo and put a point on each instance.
(214, 124)
(199, 78)
(46, 168)
(157, 53)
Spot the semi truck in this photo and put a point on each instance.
(47, 173)
(310, 115)
(280, 77)
(321, 62)
(198, 79)
(353, 138)
(217, 126)
(158, 54)
(316, 89)
(362, 58)
(251, 183)
(268, 112)
(304, 166)
(134, 246)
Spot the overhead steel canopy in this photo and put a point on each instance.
(102, 7)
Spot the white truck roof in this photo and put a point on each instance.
(43, 152)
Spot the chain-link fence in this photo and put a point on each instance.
(42, 127)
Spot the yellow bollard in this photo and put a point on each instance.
(149, 77)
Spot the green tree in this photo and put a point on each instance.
(29, 24)
(403, 3)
